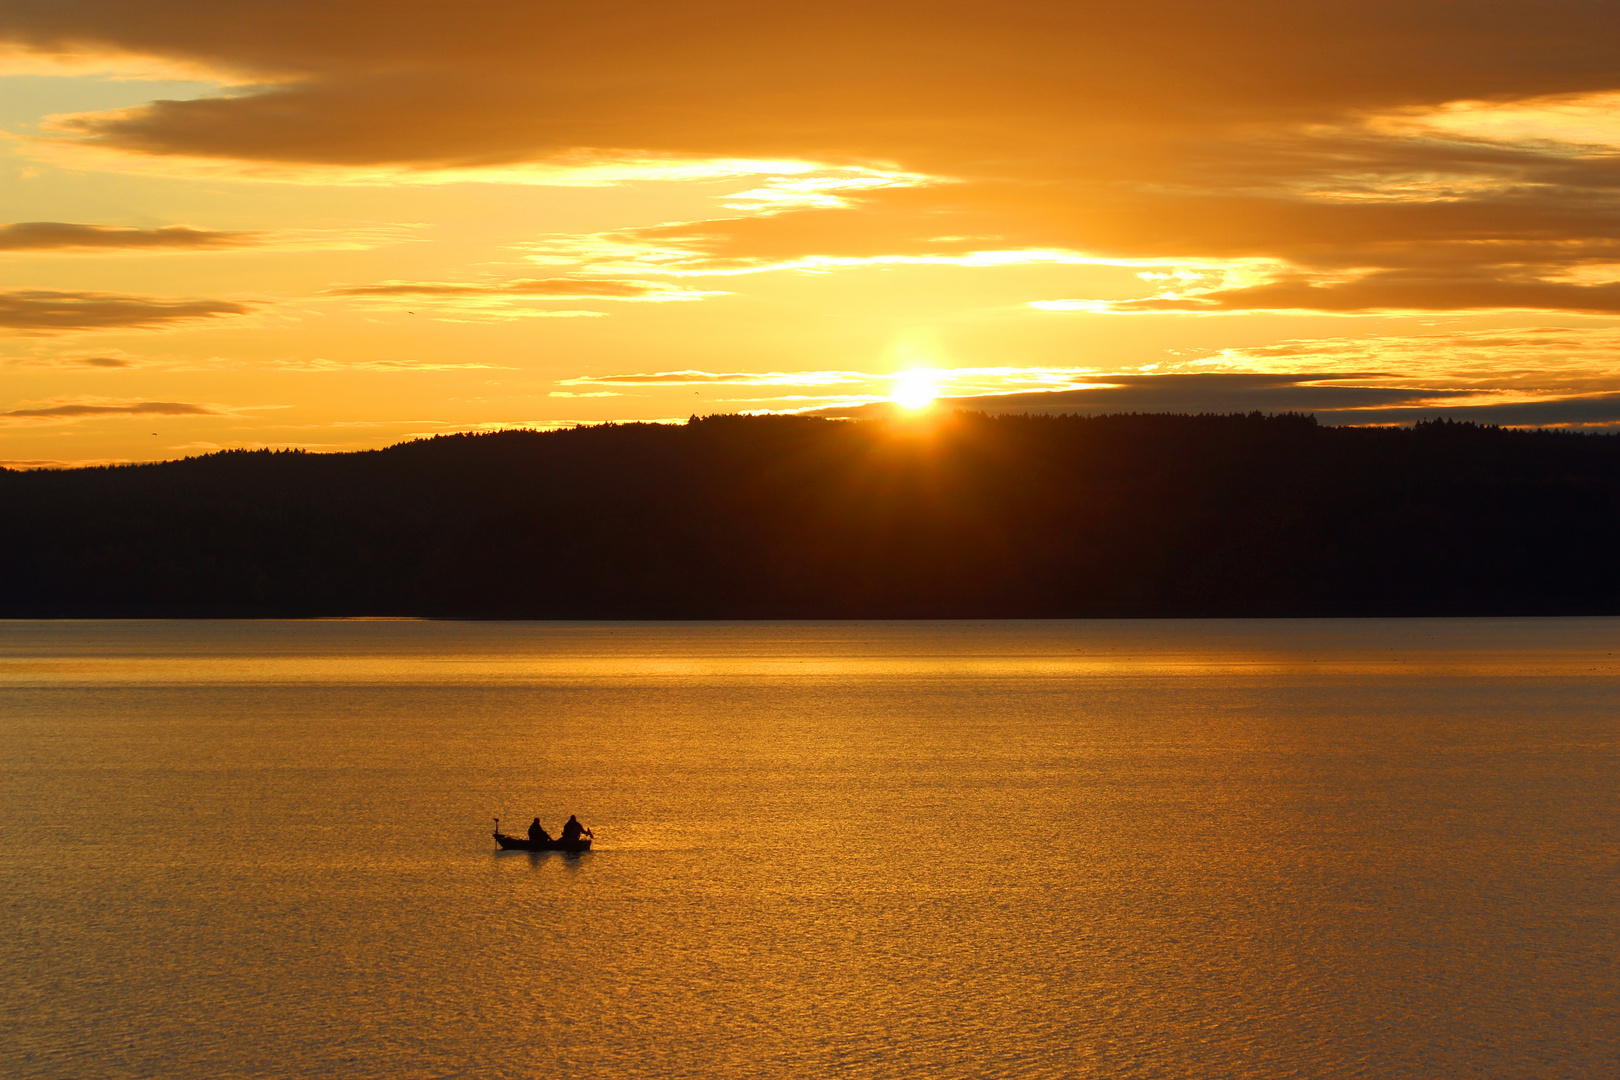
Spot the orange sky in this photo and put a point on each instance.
(339, 224)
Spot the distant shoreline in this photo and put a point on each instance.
(802, 519)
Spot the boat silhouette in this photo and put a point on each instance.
(523, 843)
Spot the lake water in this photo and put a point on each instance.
(1358, 848)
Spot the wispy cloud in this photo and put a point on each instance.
(1562, 357)
(463, 301)
(65, 411)
(802, 391)
(1579, 123)
(558, 288)
(69, 238)
(61, 463)
(110, 359)
(116, 359)
(721, 247)
(322, 364)
(832, 190)
(42, 311)
(946, 379)
(1379, 292)
(104, 61)
(732, 378)
(64, 236)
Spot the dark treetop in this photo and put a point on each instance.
(792, 517)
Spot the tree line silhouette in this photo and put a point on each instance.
(797, 517)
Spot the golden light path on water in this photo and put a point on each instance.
(1359, 848)
(407, 651)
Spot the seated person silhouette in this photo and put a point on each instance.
(537, 832)
(572, 829)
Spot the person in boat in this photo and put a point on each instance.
(572, 830)
(537, 832)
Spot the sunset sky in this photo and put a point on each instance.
(337, 225)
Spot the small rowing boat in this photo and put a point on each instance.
(523, 843)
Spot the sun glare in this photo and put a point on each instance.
(914, 389)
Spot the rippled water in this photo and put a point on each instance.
(1111, 849)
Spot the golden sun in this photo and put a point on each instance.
(914, 389)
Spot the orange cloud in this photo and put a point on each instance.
(62, 236)
(734, 378)
(1384, 291)
(40, 311)
(506, 300)
(21, 464)
(1381, 156)
(898, 80)
(1544, 248)
(1565, 357)
(528, 288)
(105, 360)
(1332, 401)
(67, 412)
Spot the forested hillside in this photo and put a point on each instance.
(746, 517)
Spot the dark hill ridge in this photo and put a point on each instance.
(792, 517)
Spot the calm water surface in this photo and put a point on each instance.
(1069, 849)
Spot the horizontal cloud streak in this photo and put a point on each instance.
(1334, 401)
(1386, 379)
(560, 288)
(734, 378)
(42, 311)
(1569, 357)
(1381, 292)
(160, 408)
(499, 301)
(64, 236)
(66, 412)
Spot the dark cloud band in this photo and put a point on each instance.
(1340, 401)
